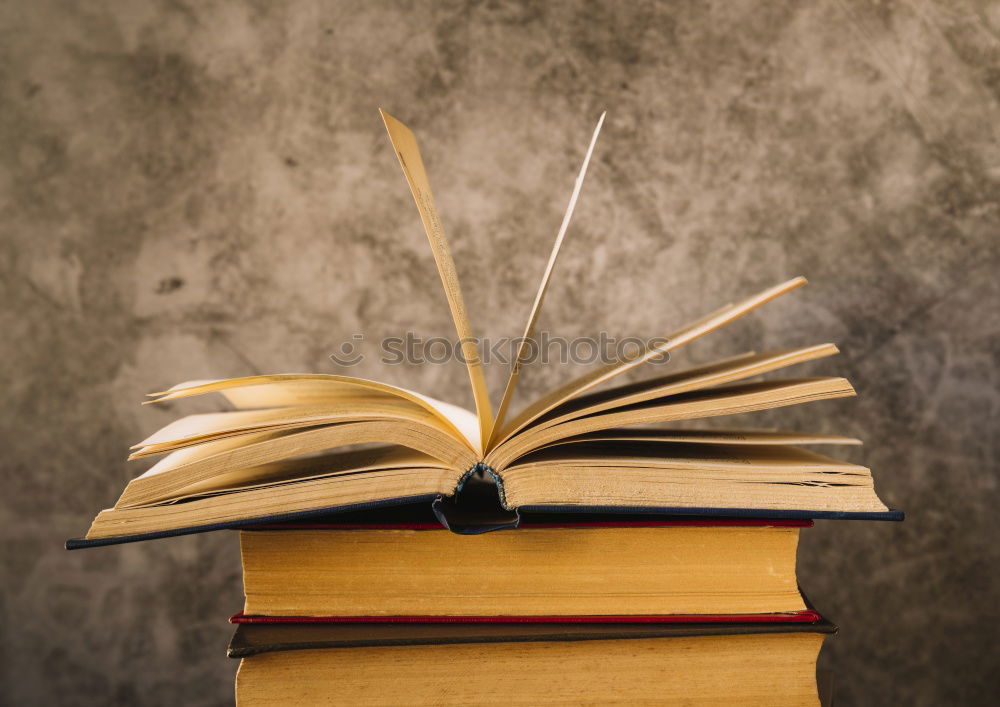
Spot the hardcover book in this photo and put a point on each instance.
(542, 572)
(288, 448)
(459, 664)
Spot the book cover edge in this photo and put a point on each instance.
(239, 648)
(734, 513)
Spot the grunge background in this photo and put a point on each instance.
(205, 190)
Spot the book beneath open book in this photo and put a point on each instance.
(291, 445)
(736, 570)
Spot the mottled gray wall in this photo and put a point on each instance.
(194, 190)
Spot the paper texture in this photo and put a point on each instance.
(408, 153)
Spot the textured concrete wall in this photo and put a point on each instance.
(204, 189)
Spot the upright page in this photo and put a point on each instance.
(408, 153)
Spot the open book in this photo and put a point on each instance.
(301, 444)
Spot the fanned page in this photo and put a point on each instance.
(405, 144)
(288, 389)
(212, 461)
(536, 307)
(718, 373)
(773, 438)
(714, 402)
(257, 469)
(692, 331)
(194, 429)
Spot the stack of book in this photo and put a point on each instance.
(557, 611)
(401, 550)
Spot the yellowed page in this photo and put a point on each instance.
(529, 328)
(796, 489)
(258, 474)
(727, 400)
(192, 455)
(719, 436)
(705, 376)
(405, 144)
(287, 389)
(768, 670)
(312, 494)
(761, 462)
(292, 471)
(193, 429)
(531, 572)
(682, 336)
(217, 457)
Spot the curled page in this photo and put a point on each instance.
(405, 145)
(529, 329)
(692, 331)
(288, 389)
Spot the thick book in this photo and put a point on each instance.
(453, 664)
(605, 571)
(280, 452)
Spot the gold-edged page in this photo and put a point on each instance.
(288, 389)
(405, 145)
(543, 287)
(688, 333)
